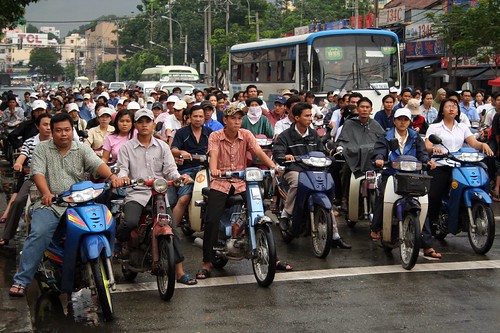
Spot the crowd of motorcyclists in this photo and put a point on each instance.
(66, 135)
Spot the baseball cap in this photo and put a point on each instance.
(180, 104)
(286, 92)
(144, 113)
(172, 99)
(280, 99)
(39, 104)
(150, 100)
(133, 106)
(158, 105)
(402, 112)
(393, 90)
(73, 107)
(34, 95)
(103, 94)
(188, 99)
(86, 96)
(206, 104)
(78, 97)
(153, 92)
(414, 106)
(59, 98)
(232, 110)
(105, 111)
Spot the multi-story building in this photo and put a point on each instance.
(73, 51)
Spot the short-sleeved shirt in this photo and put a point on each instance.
(231, 157)
(184, 139)
(62, 171)
(97, 136)
(282, 125)
(214, 125)
(495, 124)
(452, 139)
(470, 112)
(113, 143)
(137, 161)
(384, 120)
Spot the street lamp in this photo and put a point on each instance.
(180, 37)
(137, 46)
(161, 46)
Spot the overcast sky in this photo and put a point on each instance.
(63, 13)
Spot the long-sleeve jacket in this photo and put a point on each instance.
(290, 142)
(414, 146)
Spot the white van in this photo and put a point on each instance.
(146, 86)
(186, 88)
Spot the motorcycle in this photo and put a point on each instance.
(362, 192)
(192, 220)
(244, 229)
(151, 244)
(79, 255)
(468, 206)
(267, 185)
(312, 213)
(405, 208)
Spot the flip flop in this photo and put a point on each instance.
(17, 290)
(283, 266)
(495, 197)
(187, 280)
(431, 253)
(203, 274)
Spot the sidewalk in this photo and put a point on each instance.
(14, 312)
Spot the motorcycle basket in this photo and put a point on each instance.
(410, 184)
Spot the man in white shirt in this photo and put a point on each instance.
(285, 123)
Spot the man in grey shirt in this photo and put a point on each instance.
(55, 166)
(147, 157)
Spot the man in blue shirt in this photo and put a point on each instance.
(211, 123)
(188, 140)
(466, 107)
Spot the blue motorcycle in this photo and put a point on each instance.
(79, 255)
(244, 229)
(312, 213)
(468, 207)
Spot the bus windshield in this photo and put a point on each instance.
(354, 62)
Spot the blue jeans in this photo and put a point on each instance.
(43, 225)
(174, 193)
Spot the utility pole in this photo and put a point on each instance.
(170, 35)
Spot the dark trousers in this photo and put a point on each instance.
(132, 211)
(440, 186)
(16, 210)
(215, 209)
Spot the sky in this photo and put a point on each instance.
(63, 13)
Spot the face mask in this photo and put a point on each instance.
(261, 97)
(80, 104)
(254, 109)
(149, 105)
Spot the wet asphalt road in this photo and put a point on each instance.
(460, 293)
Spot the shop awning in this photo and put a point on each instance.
(495, 82)
(416, 64)
(488, 75)
(462, 72)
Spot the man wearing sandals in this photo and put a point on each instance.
(56, 165)
(227, 150)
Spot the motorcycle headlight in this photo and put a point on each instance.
(160, 185)
(254, 175)
(319, 162)
(83, 195)
(407, 165)
(470, 157)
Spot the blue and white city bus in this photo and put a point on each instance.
(358, 60)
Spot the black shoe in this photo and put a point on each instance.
(283, 223)
(340, 244)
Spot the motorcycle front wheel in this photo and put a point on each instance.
(409, 245)
(264, 262)
(322, 237)
(165, 278)
(481, 239)
(101, 279)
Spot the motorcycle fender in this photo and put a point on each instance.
(92, 245)
(320, 199)
(200, 181)
(354, 197)
(424, 206)
(157, 232)
(475, 193)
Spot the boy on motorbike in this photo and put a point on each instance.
(146, 157)
(410, 143)
(299, 139)
(227, 149)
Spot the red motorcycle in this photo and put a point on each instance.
(151, 244)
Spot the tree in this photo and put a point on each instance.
(69, 70)
(106, 70)
(11, 11)
(31, 29)
(45, 60)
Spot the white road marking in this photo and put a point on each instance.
(322, 274)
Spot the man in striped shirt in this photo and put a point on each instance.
(42, 124)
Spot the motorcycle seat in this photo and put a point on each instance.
(231, 200)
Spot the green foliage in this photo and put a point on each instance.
(12, 11)
(31, 29)
(133, 67)
(106, 71)
(69, 71)
(45, 60)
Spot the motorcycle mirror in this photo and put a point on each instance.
(340, 149)
(435, 139)
(140, 181)
(115, 170)
(394, 144)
